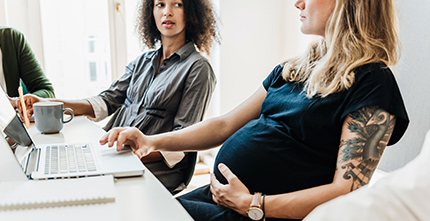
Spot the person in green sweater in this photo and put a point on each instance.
(18, 63)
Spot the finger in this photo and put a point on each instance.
(121, 138)
(140, 153)
(215, 183)
(215, 199)
(226, 172)
(125, 137)
(104, 139)
(112, 136)
(19, 107)
(30, 112)
(212, 188)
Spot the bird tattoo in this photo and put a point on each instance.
(373, 129)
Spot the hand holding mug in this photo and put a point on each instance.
(49, 116)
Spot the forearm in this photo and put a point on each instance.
(45, 93)
(213, 132)
(296, 205)
(79, 107)
(200, 136)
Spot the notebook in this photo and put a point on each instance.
(50, 161)
(29, 194)
(90, 198)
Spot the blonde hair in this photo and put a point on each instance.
(358, 32)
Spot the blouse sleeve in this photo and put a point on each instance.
(115, 96)
(273, 76)
(198, 90)
(29, 68)
(378, 87)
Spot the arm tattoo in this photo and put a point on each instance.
(360, 155)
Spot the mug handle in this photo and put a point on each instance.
(71, 116)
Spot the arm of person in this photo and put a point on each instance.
(204, 135)
(29, 68)
(79, 107)
(357, 160)
(113, 98)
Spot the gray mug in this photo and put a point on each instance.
(49, 116)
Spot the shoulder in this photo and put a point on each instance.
(10, 34)
(149, 54)
(373, 70)
(196, 57)
(142, 58)
(197, 62)
(275, 77)
(374, 74)
(198, 68)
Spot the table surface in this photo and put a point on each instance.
(137, 198)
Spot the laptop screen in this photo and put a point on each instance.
(11, 124)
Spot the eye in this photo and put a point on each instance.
(159, 5)
(179, 4)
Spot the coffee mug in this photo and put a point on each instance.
(49, 116)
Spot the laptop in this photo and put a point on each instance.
(63, 160)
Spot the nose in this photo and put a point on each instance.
(300, 4)
(167, 11)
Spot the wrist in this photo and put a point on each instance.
(263, 204)
(246, 201)
(14, 102)
(255, 211)
(152, 143)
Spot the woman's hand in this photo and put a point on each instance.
(128, 136)
(29, 100)
(233, 195)
(13, 101)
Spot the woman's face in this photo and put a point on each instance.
(169, 18)
(314, 15)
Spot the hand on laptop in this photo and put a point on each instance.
(128, 136)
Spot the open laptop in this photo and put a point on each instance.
(61, 160)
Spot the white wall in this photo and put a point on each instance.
(18, 13)
(413, 76)
(2, 13)
(256, 36)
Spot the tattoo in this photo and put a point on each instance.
(360, 155)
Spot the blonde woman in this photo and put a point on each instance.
(315, 130)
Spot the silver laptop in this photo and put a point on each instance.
(64, 160)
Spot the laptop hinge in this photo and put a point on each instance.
(32, 161)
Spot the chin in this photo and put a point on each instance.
(304, 31)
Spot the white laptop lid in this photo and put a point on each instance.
(10, 169)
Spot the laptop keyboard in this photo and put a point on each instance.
(74, 158)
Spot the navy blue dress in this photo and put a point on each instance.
(294, 143)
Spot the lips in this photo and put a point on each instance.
(168, 23)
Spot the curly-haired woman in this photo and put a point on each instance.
(165, 89)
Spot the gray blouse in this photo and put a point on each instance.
(174, 98)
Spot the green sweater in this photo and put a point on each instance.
(19, 62)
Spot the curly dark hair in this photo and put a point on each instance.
(201, 24)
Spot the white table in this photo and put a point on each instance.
(138, 198)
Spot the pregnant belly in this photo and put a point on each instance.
(272, 163)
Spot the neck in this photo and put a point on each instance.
(170, 46)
